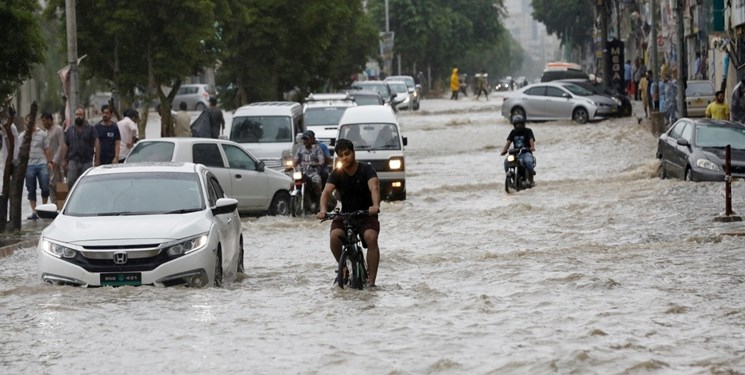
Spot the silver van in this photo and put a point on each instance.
(268, 131)
(377, 139)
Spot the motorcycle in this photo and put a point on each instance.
(303, 199)
(517, 175)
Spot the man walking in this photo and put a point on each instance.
(56, 138)
(108, 138)
(81, 144)
(217, 122)
(39, 163)
(182, 122)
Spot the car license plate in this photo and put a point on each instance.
(699, 101)
(121, 279)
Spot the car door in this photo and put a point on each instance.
(250, 186)
(558, 105)
(209, 154)
(533, 102)
(675, 155)
(225, 223)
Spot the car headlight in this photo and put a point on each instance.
(56, 249)
(617, 101)
(395, 164)
(707, 164)
(182, 247)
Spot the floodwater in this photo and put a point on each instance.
(602, 268)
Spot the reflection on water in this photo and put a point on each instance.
(602, 268)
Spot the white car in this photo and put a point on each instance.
(159, 224)
(322, 113)
(242, 176)
(403, 97)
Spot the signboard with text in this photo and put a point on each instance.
(615, 61)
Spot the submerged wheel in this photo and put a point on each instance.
(360, 271)
(661, 171)
(280, 204)
(218, 270)
(296, 205)
(688, 174)
(344, 263)
(580, 115)
(509, 184)
(241, 264)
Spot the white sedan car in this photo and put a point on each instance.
(557, 101)
(159, 224)
(242, 176)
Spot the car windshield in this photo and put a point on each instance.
(145, 193)
(398, 87)
(151, 151)
(372, 136)
(576, 90)
(409, 81)
(379, 87)
(700, 89)
(366, 100)
(720, 136)
(261, 129)
(324, 115)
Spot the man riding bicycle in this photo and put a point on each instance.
(358, 186)
(522, 137)
(311, 160)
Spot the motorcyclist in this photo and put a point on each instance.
(310, 159)
(523, 138)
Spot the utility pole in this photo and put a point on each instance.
(655, 63)
(604, 40)
(682, 58)
(72, 56)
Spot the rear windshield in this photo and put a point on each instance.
(700, 89)
(324, 115)
(151, 151)
(261, 129)
(373, 136)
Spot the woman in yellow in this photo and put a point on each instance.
(454, 84)
(717, 109)
(644, 92)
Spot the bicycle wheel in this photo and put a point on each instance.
(358, 278)
(344, 263)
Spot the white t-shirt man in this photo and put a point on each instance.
(129, 133)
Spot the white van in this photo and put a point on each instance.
(268, 130)
(322, 113)
(377, 139)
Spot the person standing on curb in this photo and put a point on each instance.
(80, 147)
(56, 137)
(39, 164)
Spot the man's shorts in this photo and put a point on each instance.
(363, 223)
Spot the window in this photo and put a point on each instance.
(536, 91)
(239, 159)
(151, 151)
(207, 154)
(554, 92)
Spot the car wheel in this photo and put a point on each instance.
(661, 171)
(517, 111)
(241, 264)
(200, 107)
(280, 204)
(580, 115)
(688, 174)
(218, 270)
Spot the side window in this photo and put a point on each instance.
(239, 159)
(214, 190)
(207, 154)
(677, 130)
(536, 91)
(688, 133)
(554, 92)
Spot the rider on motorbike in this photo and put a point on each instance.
(523, 138)
(311, 160)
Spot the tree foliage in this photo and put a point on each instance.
(21, 44)
(570, 20)
(280, 45)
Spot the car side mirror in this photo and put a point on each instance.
(684, 142)
(225, 206)
(47, 211)
(566, 95)
(406, 141)
(261, 166)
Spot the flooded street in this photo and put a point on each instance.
(602, 268)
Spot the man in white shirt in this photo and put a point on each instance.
(129, 133)
(39, 163)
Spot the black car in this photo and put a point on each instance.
(623, 101)
(693, 149)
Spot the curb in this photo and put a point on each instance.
(7, 251)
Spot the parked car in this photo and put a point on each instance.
(159, 224)
(379, 86)
(693, 149)
(563, 70)
(699, 93)
(196, 96)
(622, 100)
(367, 97)
(322, 113)
(414, 89)
(377, 139)
(258, 189)
(557, 101)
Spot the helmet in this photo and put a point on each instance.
(517, 119)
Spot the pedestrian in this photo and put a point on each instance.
(627, 76)
(109, 138)
(128, 132)
(662, 91)
(640, 70)
(6, 141)
(39, 163)
(81, 145)
(671, 102)
(643, 90)
(216, 120)
(182, 122)
(737, 104)
(717, 109)
(454, 84)
(654, 93)
(56, 137)
(358, 185)
(697, 67)
(483, 84)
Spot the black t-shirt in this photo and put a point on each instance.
(520, 138)
(355, 194)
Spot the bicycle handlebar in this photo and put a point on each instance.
(345, 215)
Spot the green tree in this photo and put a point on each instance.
(21, 44)
(146, 44)
(570, 20)
(276, 46)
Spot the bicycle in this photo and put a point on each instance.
(352, 257)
